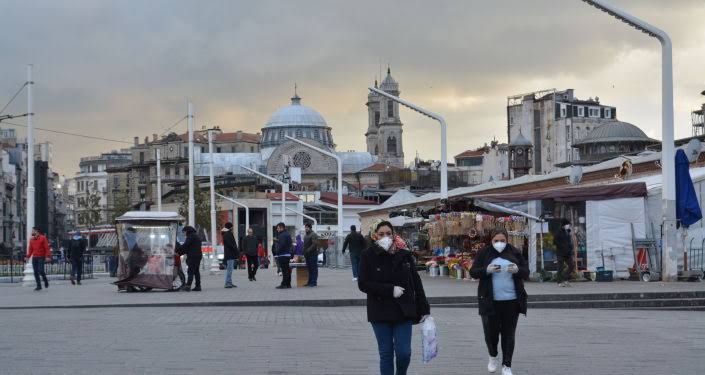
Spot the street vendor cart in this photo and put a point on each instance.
(146, 242)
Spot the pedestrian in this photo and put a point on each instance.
(299, 245)
(357, 243)
(395, 298)
(39, 251)
(262, 255)
(283, 255)
(192, 249)
(310, 250)
(77, 248)
(251, 246)
(231, 253)
(501, 296)
(564, 254)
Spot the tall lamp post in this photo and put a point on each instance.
(247, 210)
(211, 175)
(340, 186)
(191, 199)
(29, 271)
(159, 181)
(441, 120)
(668, 197)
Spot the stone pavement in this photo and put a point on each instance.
(334, 285)
(332, 341)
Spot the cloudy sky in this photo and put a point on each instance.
(120, 69)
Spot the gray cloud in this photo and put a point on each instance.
(126, 68)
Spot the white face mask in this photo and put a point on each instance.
(385, 243)
(566, 227)
(499, 246)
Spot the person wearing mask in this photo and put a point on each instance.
(77, 247)
(395, 298)
(310, 249)
(39, 252)
(192, 249)
(250, 246)
(230, 253)
(564, 253)
(357, 243)
(283, 255)
(501, 296)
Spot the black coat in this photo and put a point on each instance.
(284, 244)
(356, 242)
(76, 248)
(230, 250)
(564, 243)
(249, 245)
(379, 272)
(485, 295)
(191, 246)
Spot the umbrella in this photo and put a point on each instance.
(687, 207)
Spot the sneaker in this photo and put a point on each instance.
(354, 278)
(493, 365)
(196, 289)
(185, 288)
(562, 285)
(506, 370)
(568, 284)
(46, 283)
(228, 286)
(254, 278)
(282, 287)
(37, 288)
(73, 282)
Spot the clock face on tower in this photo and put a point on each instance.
(520, 151)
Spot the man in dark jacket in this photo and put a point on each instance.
(283, 255)
(249, 246)
(192, 249)
(357, 243)
(230, 253)
(77, 247)
(564, 253)
(311, 254)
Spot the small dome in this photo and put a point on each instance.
(616, 131)
(520, 140)
(297, 115)
(389, 84)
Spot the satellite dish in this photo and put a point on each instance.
(576, 174)
(692, 150)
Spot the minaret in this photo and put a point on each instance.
(373, 118)
(389, 136)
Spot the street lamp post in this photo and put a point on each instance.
(441, 120)
(159, 181)
(283, 185)
(340, 190)
(668, 195)
(214, 261)
(247, 210)
(191, 199)
(29, 271)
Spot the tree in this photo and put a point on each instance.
(121, 204)
(89, 210)
(202, 208)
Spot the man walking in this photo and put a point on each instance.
(192, 249)
(39, 251)
(77, 247)
(357, 243)
(564, 253)
(311, 254)
(283, 255)
(250, 246)
(231, 254)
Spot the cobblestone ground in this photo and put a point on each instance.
(249, 340)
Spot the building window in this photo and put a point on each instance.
(203, 149)
(232, 149)
(217, 150)
(392, 146)
(176, 170)
(281, 135)
(608, 113)
(377, 118)
(299, 133)
(141, 157)
(116, 181)
(563, 111)
(594, 112)
(581, 112)
(390, 109)
(316, 135)
(186, 151)
(252, 148)
(511, 120)
(166, 170)
(567, 133)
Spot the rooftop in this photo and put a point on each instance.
(615, 131)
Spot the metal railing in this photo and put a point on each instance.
(12, 268)
(696, 256)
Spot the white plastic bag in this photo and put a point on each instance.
(429, 340)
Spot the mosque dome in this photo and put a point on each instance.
(298, 121)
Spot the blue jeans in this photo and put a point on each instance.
(77, 269)
(230, 264)
(355, 260)
(393, 338)
(312, 265)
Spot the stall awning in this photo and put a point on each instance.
(497, 208)
(573, 194)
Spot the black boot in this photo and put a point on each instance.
(39, 287)
(46, 283)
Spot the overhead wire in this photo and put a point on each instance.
(13, 98)
(69, 133)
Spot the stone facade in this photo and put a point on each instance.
(384, 131)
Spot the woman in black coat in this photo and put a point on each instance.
(500, 295)
(395, 298)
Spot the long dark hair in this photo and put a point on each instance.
(384, 224)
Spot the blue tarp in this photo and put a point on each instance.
(687, 206)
